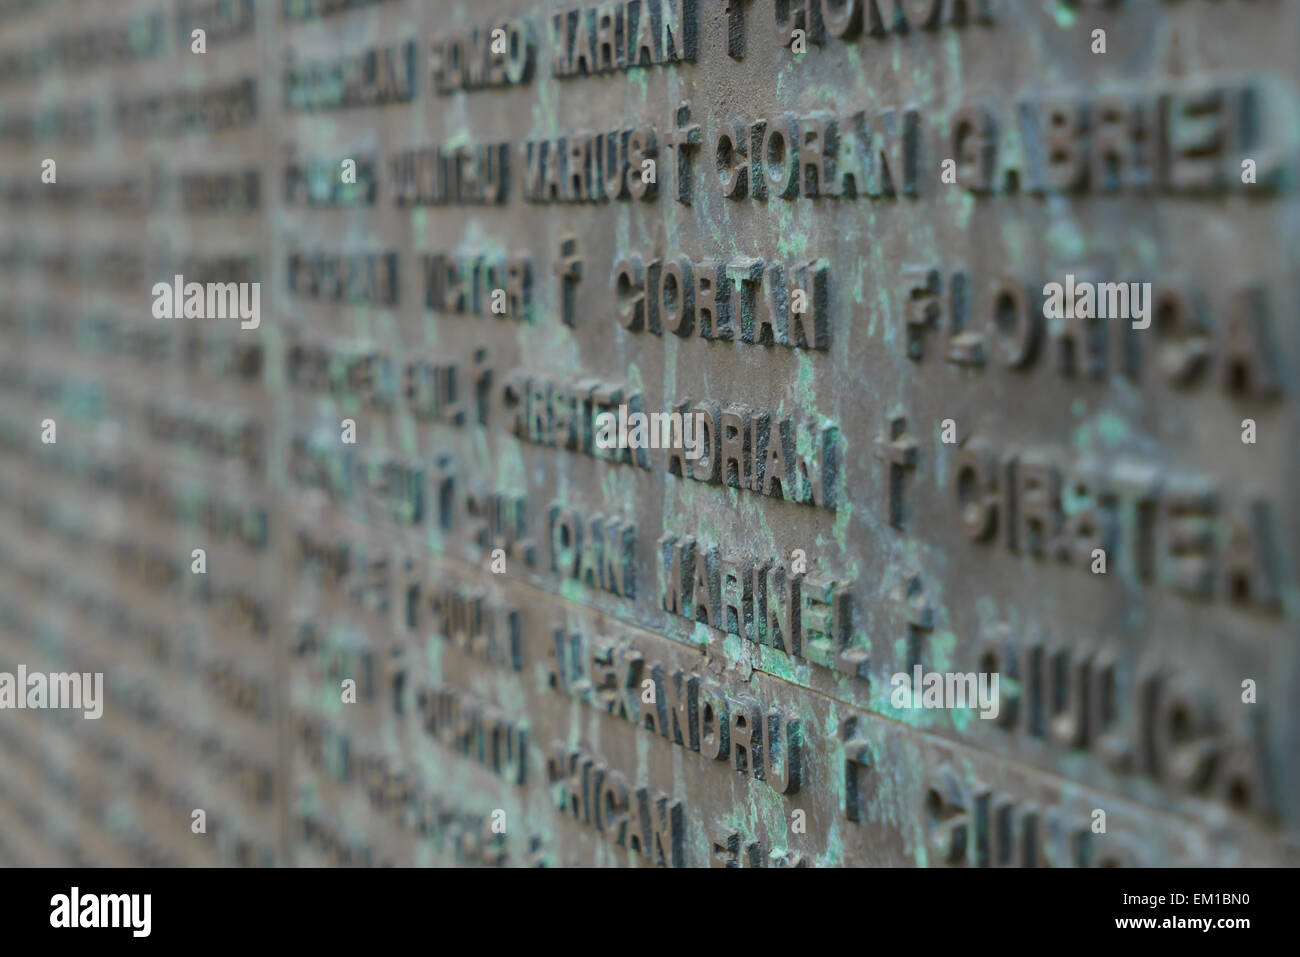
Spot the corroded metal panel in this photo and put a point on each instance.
(337, 341)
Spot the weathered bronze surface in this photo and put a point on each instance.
(833, 228)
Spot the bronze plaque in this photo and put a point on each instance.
(757, 433)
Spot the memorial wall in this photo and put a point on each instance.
(655, 433)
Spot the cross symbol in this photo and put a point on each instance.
(735, 28)
(569, 270)
(899, 452)
(685, 139)
(917, 613)
(857, 759)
